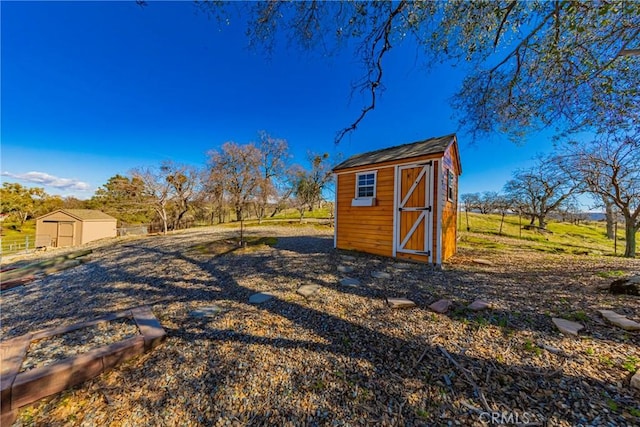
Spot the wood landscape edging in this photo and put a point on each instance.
(22, 388)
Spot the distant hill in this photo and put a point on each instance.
(595, 216)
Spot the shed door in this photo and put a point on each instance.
(413, 234)
(65, 234)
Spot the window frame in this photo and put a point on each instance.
(450, 185)
(375, 184)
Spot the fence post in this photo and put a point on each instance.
(26, 243)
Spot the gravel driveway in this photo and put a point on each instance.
(341, 356)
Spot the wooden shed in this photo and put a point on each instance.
(400, 201)
(71, 227)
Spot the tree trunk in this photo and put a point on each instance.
(184, 210)
(630, 237)
(162, 213)
(238, 214)
(164, 225)
(541, 221)
(610, 216)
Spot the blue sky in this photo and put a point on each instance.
(92, 89)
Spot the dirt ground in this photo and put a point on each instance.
(341, 356)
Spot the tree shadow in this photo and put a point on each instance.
(356, 371)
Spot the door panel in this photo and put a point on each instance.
(65, 234)
(414, 209)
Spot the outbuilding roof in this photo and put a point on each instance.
(84, 214)
(415, 149)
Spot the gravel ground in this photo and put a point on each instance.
(49, 350)
(341, 356)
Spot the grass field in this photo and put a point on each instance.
(586, 237)
(15, 238)
(484, 231)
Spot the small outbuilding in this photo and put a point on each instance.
(400, 201)
(72, 227)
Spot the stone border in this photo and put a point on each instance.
(22, 388)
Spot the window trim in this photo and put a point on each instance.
(375, 184)
(450, 185)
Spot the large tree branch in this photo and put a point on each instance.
(374, 85)
(504, 19)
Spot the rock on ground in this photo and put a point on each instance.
(381, 275)
(628, 286)
(400, 303)
(635, 380)
(260, 297)
(620, 321)
(348, 281)
(308, 290)
(478, 305)
(441, 306)
(567, 327)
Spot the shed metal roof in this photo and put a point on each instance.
(84, 214)
(415, 149)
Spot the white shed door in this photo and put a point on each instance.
(414, 204)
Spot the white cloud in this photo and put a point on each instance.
(50, 180)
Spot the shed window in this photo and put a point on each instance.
(450, 185)
(366, 184)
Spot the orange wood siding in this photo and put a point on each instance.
(450, 208)
(370, 229)
(366, 228)
(435, 210)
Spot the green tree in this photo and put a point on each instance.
(124, 198)
(21, 202)
(308, 185)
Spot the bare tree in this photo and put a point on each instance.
(238, 168)
(273, 157)
(183, 180)
(487, 202)
(502, 204)
(157, 190)
(610, 167)
(541, 189)
(469, 202)
(213, 194)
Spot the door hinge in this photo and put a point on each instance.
(427, 208)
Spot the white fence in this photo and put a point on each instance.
(11, 245)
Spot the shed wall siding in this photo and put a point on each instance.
(450, 208)
(370, 229)
(94, 230)
(366, 228)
